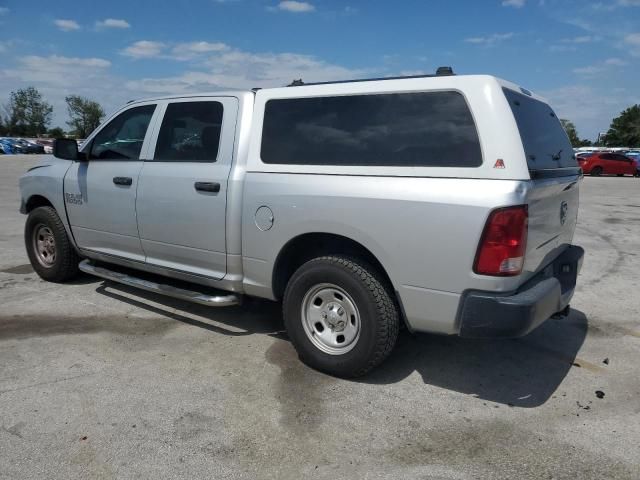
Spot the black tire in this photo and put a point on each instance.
(373, 298)
(596, 171)
(621, 174)
(65, 265)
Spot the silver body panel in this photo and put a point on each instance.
(422, 224)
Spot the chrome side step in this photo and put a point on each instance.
(189, 295)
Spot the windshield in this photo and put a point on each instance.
(545, 142)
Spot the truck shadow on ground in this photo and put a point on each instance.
(522, 372)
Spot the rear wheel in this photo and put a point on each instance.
(340, 315)
(621, 174)
(50, 251)
(596, 171)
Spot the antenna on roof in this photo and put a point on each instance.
(296, 83)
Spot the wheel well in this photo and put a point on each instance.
(311, 245)
(36, 201)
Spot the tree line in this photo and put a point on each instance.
(28, 114)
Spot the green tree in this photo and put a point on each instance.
(572, 133)
(56, 132)
(85, 115)
(27, 113)
(625, 129)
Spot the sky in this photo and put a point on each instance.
(582, 55)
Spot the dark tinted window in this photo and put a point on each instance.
(432, 129)
(621, 158)
(545, 142)
(190, 132)
(607, 156)
(122, 138)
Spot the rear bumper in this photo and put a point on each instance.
(488, 314)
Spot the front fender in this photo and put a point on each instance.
(46, 180)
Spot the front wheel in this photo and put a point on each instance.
(596, 171)
(49, 249)
(340, 315)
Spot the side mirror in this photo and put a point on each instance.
(65, 148)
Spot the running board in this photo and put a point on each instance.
(189, 295)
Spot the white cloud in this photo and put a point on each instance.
(181, 51)
(190, 50)
(633, 41)
(54, 70)
(489, 39)
(113, 23)
(144, 49)
(616, 4)
(605, 66)
(66, 25)
(235, 69)
(617, 62)
(513, 3)
(4, 10)
(580, 39)
(295, 7)
(57, 63)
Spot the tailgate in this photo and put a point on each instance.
(553, 212)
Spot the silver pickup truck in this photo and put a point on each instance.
(445, 203)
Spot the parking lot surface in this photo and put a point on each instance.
(98, 380)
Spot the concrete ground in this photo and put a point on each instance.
(102, 381)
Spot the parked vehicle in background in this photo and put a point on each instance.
(12, 145)
(635, 155)
(447, 203)
(608, 164)
(584, 155)
(29, 146)
(47, 144)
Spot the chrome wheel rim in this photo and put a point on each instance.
(44, 245)
(330, 319)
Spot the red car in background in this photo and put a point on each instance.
(608, 164)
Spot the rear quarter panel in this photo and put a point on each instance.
(424, 231)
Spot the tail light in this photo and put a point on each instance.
(503, 243)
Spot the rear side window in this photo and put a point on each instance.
(190, 132)
(122, 137)
(545, 142)
(427, 129)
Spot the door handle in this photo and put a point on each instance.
(213, 187)
(127, 181)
